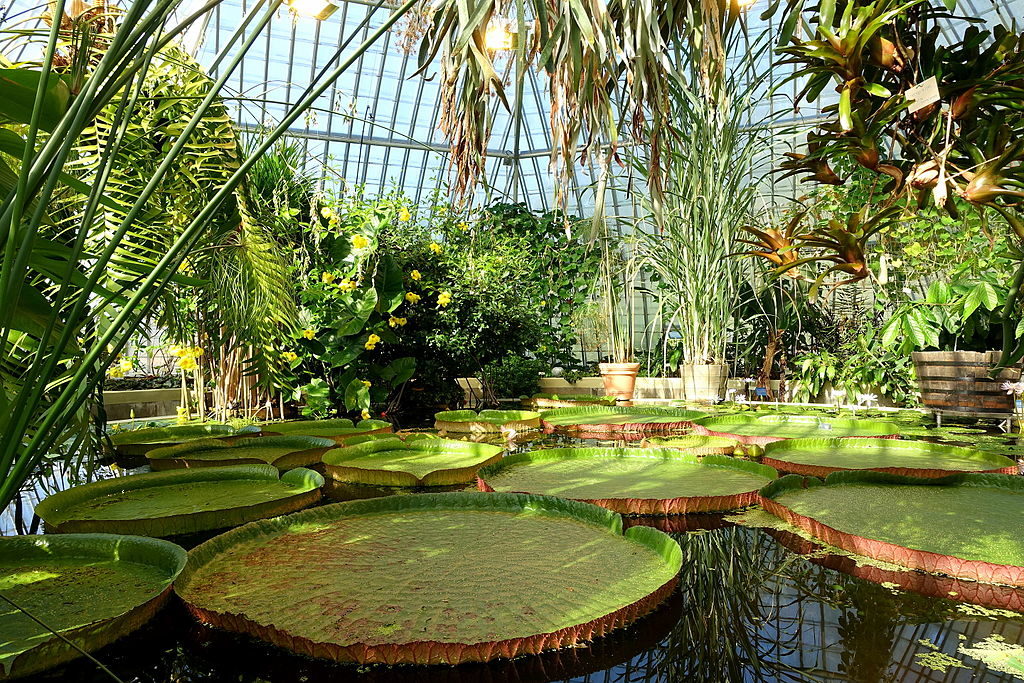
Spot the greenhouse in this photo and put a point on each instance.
(459, 341)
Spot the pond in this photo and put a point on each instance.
(753, 605)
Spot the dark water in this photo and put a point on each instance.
(753, 605)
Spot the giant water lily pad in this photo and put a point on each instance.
(821, 457)
(137, 442)
(90, 588)
(639, 481)
(486, 421)
(964, 525)
(283, 452)
(338, 430)
(599, 419)
(417, 579)
(548, 401)
(770, 428)
(417, 460)
(695, 444)
(180, 501)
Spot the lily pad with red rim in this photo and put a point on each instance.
(821, 457)
(339, 430)
(637, 481)
(283, 452)
(180, 501)
(137, 442)
(416, 579)
(611, 419)
(765, 429)
(963, 525)
(695, 444)
(89, 588)
(486, 421)
(416, 460)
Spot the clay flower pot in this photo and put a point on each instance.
(619, 379)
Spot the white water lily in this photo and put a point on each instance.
(741, 398)
(837, 395)
(1015, 388)
(867, 399)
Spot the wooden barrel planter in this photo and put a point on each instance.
(960, 381)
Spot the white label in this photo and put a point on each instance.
(824, 425)
(923, 94)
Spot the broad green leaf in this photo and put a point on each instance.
(361, 310)
(18, 94)
(390, 285)
(357, 395)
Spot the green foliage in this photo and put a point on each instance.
(513, 376)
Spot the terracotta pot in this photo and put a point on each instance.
(619, 379)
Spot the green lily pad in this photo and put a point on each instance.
(339, 430)
(821, 457)
(180, 501)
(283, 452)
(619, 418)
(695, 444)
(414, 579)
(90, 588)
(417, 460)
(768, 428)
(137, 442)
(639, 481)
(469, 421)
(963, 525)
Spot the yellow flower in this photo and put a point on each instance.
(326, 212)
(371, 342)
(402, 322)
(115, 373)
(367, 383)
(360, 242)
(328, 278)
(182, 414)
(435, 247)
(393, 321)
(115, 428)
(289, 356)
(308, 333)
(412, 297)
(444, 298)
(415, 275)
(365, 414)
(404, 215)
(188, 363)
(126, 365)
(347, 285)
(464, 226)
(196, 351)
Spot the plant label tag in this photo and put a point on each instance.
(760, 391)
(923, 94)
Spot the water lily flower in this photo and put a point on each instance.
(867, 399)
(309, 333)
(444, 298)
(360, 242)
(328, 278)
(1011, 388)
(415, 275)
(837, 395)
(741, 398)
(404, 215)
(435, 247)
(412, 297)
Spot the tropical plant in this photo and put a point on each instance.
(614, 296)
(63, 316)
(963, 141)
(513, 376)
(609, 68)
(712, 176)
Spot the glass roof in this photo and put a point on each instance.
(377, 127)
